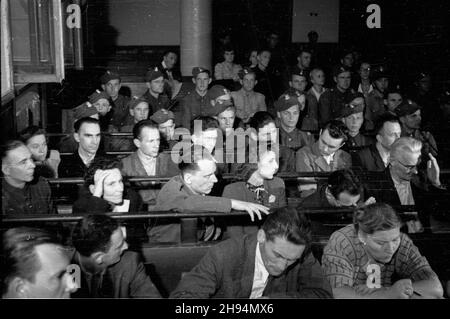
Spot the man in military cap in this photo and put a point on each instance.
(376, 99)
(166, 125)
(423, 95)
(353, 117)
(298, 82)
(111, 84)
(154, 95)
(409, 113)
(246, 100)
(196, 102)
(100, 100)
(332, 102)
(302, 66)
(288, 108)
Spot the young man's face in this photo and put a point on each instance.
(364, 71)
(348, 60)
(207, 139)
(19, 165)
(268, 133)
(278, 254)
(253, 58)
(318, 77)
(52, 279)
(167, 129)
(382, 245)
(381, 84)
(305, 59)
(354, 122)
(88, 137)
(203, 179)
(117, 246)
(327, 144)
(267, 165)
(298, 82)
(393, 100)
(228, 56)
(112, 88)
(343, 80)
(264, 58)
(113, 187)
(289, 117)
(102, 106)
(140, 112)
(149, 141)
(226, 119)
(390, 132)
(170, 60)
(201, 82)
(249, 82)
(412, 121)
(157, 85)
(38, 147)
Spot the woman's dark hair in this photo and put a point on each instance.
(260, 119)
(29, 132)
(93, 234)
(344, 181)
(376, 217)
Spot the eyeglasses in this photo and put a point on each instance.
(408, 167)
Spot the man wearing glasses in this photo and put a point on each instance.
(400, 183)
(22, 193)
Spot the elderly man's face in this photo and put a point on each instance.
(52, 279)
(278, 254)
(19, 165)
(404, 166)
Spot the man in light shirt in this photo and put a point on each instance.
(275, 262)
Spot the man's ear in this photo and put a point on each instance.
(210, 80)
(187, 177)
(298, 59)
(92, 188)
(335, 79)
(261, 236)
(103, 87)
(378, 138)
(131, 112)
(242, 82)
(290, 83)
(279, 115)
(213, 103)
(5, 169)
(137, 142)
(18, 287)
(256, 82)
(147, 84)
(76, 136)
(98, 257)
(193, 80)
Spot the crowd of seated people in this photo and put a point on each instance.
(367, 136)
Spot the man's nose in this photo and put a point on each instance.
(31, 163)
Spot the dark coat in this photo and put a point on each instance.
(227, 271)
(89, 204)
(126, 279)
(369, 159)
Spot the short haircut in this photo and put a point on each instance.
(30, 132)
(289, 224)
(9, 146)
(394, 90)
(344, 181)
(139, 126)
(260, 51)
(77, 125)
(315, 70)
(336, 129)
(103, 163)
(376, 217)
(93, 234)
(260, 119)
(208, 122)
(405, 145)
(227, 48)
(384, 118)
(190, 158)
(19, 258)
(304, 49)
(169, 51)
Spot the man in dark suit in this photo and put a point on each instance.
(107, 269)
(375, 157)
(170, 73)
(274, 262)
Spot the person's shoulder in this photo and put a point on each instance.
(305, 150)
(277, 182)
(343, 236)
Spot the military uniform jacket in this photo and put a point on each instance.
(155, 104)
(308, 159)
(192, 106)
(369, 159)
(374, 108)
(331, 104)
(310, 121)
(295, 139)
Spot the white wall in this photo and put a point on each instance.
(319, 15)
(146, 22)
